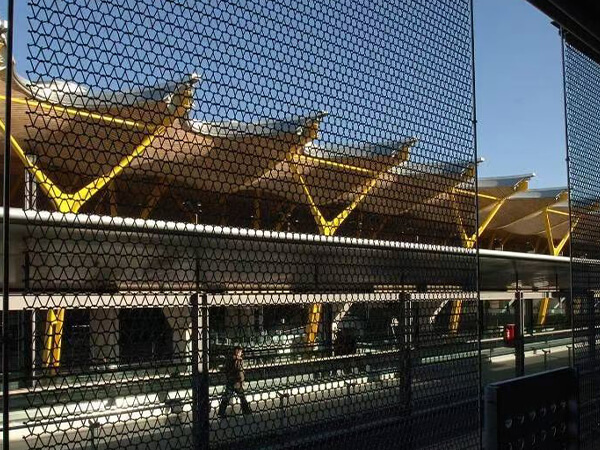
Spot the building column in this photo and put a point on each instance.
(179, 319)
(104, 336)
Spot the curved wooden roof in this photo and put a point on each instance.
(76, 139)
(523, 213)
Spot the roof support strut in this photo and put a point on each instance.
(72, 202)
(543, 311)
(330, 227)
(555, 250)
(53, 339)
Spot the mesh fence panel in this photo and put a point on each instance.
(245, 225)
(582, 82)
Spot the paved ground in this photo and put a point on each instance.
(345, 411)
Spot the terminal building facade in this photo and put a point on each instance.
(354, 254)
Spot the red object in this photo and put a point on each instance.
(509, 334)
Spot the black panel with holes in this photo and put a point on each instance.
(246, 224)
(534, 412)
(582, 87)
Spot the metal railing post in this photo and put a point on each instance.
(204, 379)
(591, 313)
(6, 344)
(195, 363)
(519, 335)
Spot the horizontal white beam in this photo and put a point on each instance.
(20, 302)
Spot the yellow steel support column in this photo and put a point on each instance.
(556, 250)
(548, 228)
(72, 202)
(455, 315)
(471, 241)
(53, 339)
(543, 311)
(563, 242)
(330, 227)
(483, 226)
(314, 317)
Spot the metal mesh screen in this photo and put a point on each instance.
(582, 87)
(245, 225)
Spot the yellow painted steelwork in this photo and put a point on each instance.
(543, 311)
(556, 249)
(326, 162)
(51, 354)
(330, 227)
(107, 118)
(556, 211)
(455, 315)
(480, 195)
(72, 202)
(471, 241)
(314, 317)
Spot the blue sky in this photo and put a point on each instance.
(519, 92)
(383, 71)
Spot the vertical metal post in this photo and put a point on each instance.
(415, 321)
(475, 161)
(204, 380)
(27, 346)
(568, 302)
(406, 336)
(200, 380)
(6, 345)
(528, 313)
(570, 295)
(405, 341)
(519, 335)
(591, 313)
(195, 362)
(30, 187)
(328, 318)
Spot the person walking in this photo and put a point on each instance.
(234, 373)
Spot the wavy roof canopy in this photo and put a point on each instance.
(77, 139)
(510, 208)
